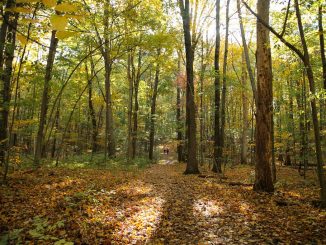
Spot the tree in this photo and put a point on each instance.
(192, 163)
(263, 176)
(153, 107)
(217, 161)
(7, 49)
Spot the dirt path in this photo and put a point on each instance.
(204, 211)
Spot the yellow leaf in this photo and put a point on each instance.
(49, 3)
(22, 39)
(58, 22)
(66, 7)
(27, 1)
(20, 10)
(77, 17)
(65, 34)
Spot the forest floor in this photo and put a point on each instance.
(158, 205)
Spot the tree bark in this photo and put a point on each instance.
(322, 42)
(7, 49)
(45, 99)
(245, 121)
(246, 53)
(192, 163)
(223, 101)
(310, 75)
(91, 109)
(178, 117)
(136, 81)
(263, 176)
(153, 108)
(217, 168)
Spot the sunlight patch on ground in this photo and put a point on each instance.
(135, 188)
(206, 208)
(142, 224)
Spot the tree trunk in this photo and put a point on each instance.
(57, 116)
(263, 176)
(323, 61)
(178, 117)
(223, 101)
(136, 106)
(245, 121)
(192, 163)
(91, 108)
(310, 75)
(7, 55)
(246, 53)
(217, 168)
(322, 42)
(130, 103)
(153, 109)
(201, 95)
(45, 99)
(109, 149)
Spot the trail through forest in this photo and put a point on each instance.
(158, 205)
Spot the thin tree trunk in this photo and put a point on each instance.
(201, 113)
(178, 117)
(91, 109)
(5, 79)
(54, 145)
(263, 176)
(245, 121)
(323, 61)
(246, 53)
(136, 106)
(130, 103)
(223, 101)
(217, 162)
(109, 149)
(153, 109)
(310, 75)
(322, 42)
(45, 99)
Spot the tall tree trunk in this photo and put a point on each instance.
(246, 53)
(201, 105)
(178, 116)
(322, 42)
(153, 109)
(54, 145)
(217, 168)
(245, 121)
(310, 75)
(45, 99)
(130, 74)
(263, 176)
(223, 101)
(323, 61)
(6, 68)
(137, 78)
(109, 149)
(91, 108)
(192, 163)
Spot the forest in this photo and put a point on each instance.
(162, 122)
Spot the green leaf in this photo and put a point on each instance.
(66, 7)
(19, 10)
(65, 34)
(22, 39)
(58, 22)
(49, 3)
(63, 242)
